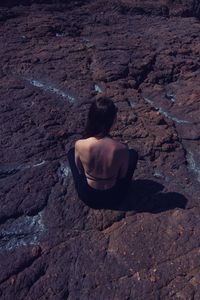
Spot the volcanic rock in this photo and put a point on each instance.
(56, 56)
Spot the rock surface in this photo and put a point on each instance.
(55, 57)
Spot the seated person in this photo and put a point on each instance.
(102, 167)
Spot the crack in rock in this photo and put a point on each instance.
(165, 114)
(51, 89)
(6, 170)
(23, 231)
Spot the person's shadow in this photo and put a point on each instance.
(147, 196)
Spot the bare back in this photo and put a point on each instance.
(102, 160)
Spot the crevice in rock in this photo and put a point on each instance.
(4, 219)
(147, 69)
(149, 10)
(196, 8)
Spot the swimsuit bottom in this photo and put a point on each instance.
(101, 198)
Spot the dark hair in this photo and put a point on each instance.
(101, 116)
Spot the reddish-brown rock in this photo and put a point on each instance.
(55, 57)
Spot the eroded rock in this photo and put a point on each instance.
(55, 57)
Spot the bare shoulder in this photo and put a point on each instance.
(81, 144)
(78, 145)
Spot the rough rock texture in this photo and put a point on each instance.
(55, 57)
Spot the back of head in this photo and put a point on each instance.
(101, 117)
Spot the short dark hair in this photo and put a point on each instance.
(101, 117)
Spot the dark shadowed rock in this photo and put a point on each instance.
(56, 56)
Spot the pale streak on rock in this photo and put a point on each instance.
(97, 89)
(132, 104)
(39, 164)
(7, 170)
(67, 171)
(58, 34)
(24, 167)
(23, 231)
(192, 165)
(170, 96)
(165, 114)
(64, 172)
(158, 174)
(51, 89)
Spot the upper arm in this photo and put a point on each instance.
(77, 157)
